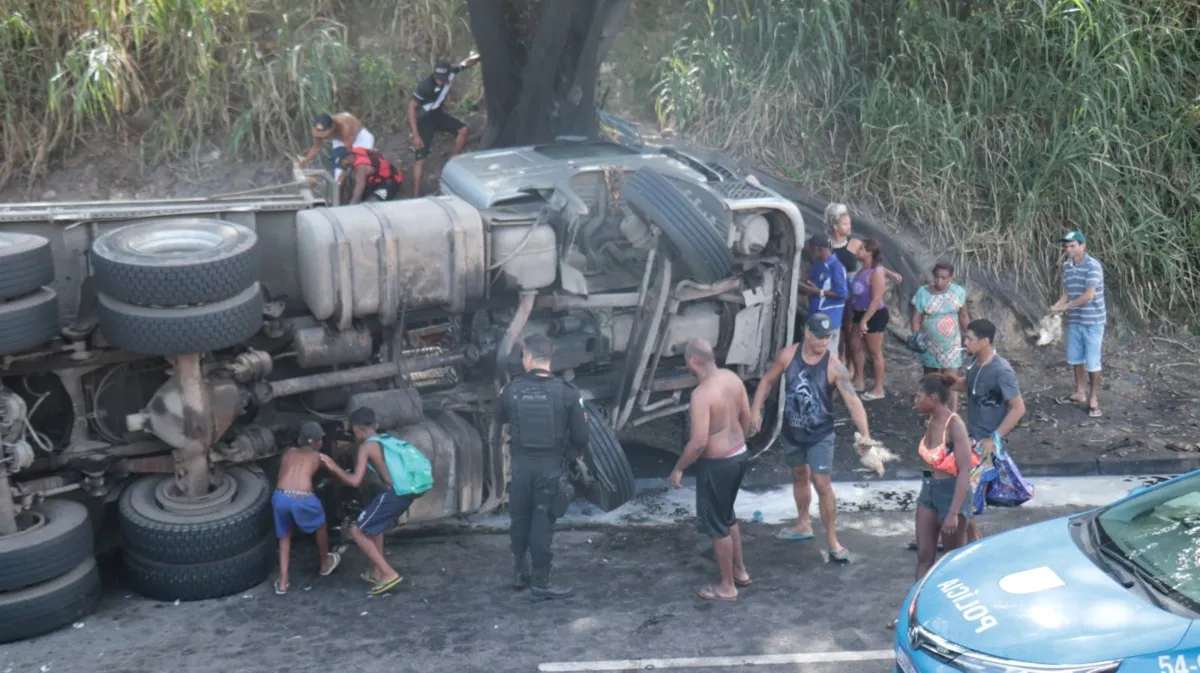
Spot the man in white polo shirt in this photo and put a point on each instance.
(1083, 301)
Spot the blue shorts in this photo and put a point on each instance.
(295, 508)
(1084, 343)
(382, 511)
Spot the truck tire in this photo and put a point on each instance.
(155, 534)
(181, 330)
(608, 464)
(61, 542)
(200, 581)
(26, 264)
(176, 262)
(29, 321)
(46, 607)
(699, 245)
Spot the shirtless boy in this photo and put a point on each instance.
(296, 506)
(720, 418)
(346, 131)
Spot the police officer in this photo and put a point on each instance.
(547, 430)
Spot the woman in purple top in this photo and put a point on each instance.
(870, 318)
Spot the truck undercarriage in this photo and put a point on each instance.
(159, 354)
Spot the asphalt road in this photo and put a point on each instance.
(636, 599)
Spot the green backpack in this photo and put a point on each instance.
(410, 470)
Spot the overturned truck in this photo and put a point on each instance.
(158, 354)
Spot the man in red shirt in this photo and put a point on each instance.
(374, 178)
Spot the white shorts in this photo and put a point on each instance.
(364, 139)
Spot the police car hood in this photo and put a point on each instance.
(1031, 595)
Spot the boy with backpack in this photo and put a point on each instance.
(406, 474)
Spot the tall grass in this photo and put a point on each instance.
(175, 73)
(995, 133)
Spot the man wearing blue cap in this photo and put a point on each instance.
(1083, 301)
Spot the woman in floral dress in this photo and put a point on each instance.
(941, 315)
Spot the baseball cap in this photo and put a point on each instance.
(323, 125)
(310, 433)
(820, 240)
(441, 70)
(1074, 237)
(339, 155)
(820, 325)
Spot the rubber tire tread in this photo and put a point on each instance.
(27, 267)
(199, 542)
(606, 456)
(701, 248)
(29, 321)
(42, 555)
(197, 282)
(200, 581)
(180, 331)
(49, 606)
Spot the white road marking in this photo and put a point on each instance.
(663, 505)
(716, 662)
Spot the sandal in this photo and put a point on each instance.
(742, 583)
(337, 558)
(841, 555)
(709, 593)
(787, 534)
(382, 587)
(368, 577)
(1095, 412)
(278, 590)
(871, 397)
(1068, 399)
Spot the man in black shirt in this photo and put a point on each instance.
(426, 117)
(548, 428)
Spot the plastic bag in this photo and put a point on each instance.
(1000, 482)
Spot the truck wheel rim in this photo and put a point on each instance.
(173, 242)
(170, 499)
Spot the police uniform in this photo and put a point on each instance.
(547, 428)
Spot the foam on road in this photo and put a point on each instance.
(657, 504)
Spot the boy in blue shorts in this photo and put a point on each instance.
(387, 506)
(296, 506)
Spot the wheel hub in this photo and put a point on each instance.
(169, 497)
(174, 241)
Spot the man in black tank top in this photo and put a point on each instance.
(812, 371)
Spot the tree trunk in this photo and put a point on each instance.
(540, 61)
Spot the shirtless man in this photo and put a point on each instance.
(345, 129)
(296, 506)
(808, 438)
(720, 418)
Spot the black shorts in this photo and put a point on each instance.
(435, 121)
(877, 323)
(390, 189)
(717, 483)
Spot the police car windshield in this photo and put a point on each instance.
(1159, 532)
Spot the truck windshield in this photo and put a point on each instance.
(1159, 532)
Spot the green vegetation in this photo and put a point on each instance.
(995, 132)
(992, 132)
(172, 73)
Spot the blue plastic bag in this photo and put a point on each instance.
(1000, 482)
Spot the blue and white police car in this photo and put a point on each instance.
(1115, 589)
